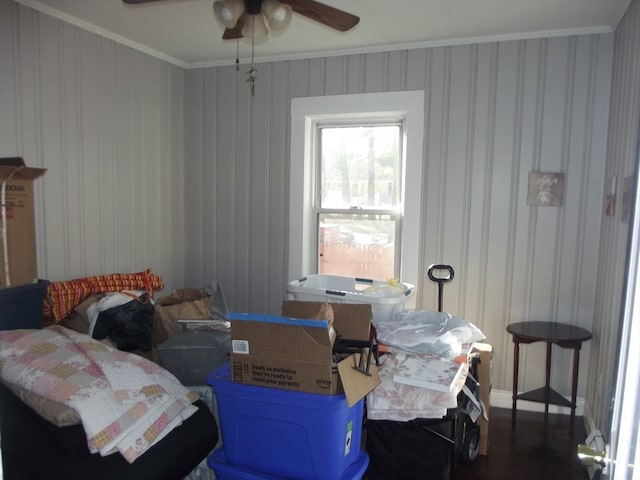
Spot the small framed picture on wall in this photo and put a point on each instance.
(545, 189)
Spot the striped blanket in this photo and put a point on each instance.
(125, 402)
(63, 297)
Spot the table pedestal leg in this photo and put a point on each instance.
(574, 384)
(516, 361)
(547, 381)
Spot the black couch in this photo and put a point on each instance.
(35, 449)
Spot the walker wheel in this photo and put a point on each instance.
(470, 443)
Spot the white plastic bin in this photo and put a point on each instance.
(339, 289)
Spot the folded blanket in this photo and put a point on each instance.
(63, 297)
(396, 401)
(125, 402)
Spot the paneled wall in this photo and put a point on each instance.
(107, 124)
(182, 171)
(494, 112)
(622, 155)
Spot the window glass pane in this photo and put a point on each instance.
(361, 166)
(403, 111)
(357, 245)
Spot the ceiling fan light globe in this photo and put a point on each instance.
(227, 12)
(226, 15)
(277, 14)
(255, 28)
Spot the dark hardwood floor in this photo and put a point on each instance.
(535, 449)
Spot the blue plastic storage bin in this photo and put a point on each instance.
(22, 306)
(225, 471)
(288, 434)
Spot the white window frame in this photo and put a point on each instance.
(305, 113)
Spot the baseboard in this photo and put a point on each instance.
(590, 422)
(504, 399)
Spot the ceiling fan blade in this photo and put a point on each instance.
(236, 31)
(330, 16)
(137, 2)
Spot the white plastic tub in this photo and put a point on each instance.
(385, 300)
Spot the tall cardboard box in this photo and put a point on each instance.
(17, 223)
(485, 351)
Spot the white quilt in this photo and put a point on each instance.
(126, 403)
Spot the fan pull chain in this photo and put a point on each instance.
(237, 54)
(252, 73)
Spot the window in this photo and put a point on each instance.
(357, 200)
(387, 207)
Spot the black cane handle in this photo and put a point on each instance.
(440, 267)
(440, 280)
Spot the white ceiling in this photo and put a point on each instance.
(184, 32)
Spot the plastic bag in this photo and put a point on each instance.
(219, 310)
(128, 325)
(428, 332)
(389, 289)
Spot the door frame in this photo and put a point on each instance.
(623, 435)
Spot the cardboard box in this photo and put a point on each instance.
(295, 352)
(484, 378)
(350, 320)
(17, 222)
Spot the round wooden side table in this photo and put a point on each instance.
(561, 334)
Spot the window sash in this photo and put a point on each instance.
(398, 191)
(306, 112)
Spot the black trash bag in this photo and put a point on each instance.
(128, 325)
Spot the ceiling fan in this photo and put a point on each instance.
(233, 14)
(246, 18)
